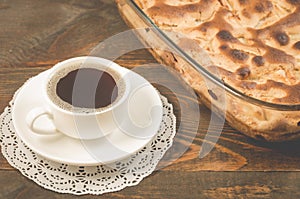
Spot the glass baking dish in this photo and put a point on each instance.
(256, 118)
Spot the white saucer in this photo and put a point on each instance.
(114, 147)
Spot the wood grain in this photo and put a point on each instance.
(179, 184)
(38, 34)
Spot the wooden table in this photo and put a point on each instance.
(34, 35)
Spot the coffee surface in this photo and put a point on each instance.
(87, 88)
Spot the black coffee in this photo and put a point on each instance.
(87, 88)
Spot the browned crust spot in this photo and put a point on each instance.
(259, 60)
(297, 45)
(264, 6)
(239, 55)
(282, 38)
(243, 72)
(226, 36)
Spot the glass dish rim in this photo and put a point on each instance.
(204, 72)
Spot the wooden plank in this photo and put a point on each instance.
(48, 31)
(177, 184)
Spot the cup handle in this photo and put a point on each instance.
(33, 115)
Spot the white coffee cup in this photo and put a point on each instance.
(81, 122)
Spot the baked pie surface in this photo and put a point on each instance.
(255, 44)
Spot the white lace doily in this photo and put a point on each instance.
(80, 180)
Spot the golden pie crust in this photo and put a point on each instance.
(254, 43)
